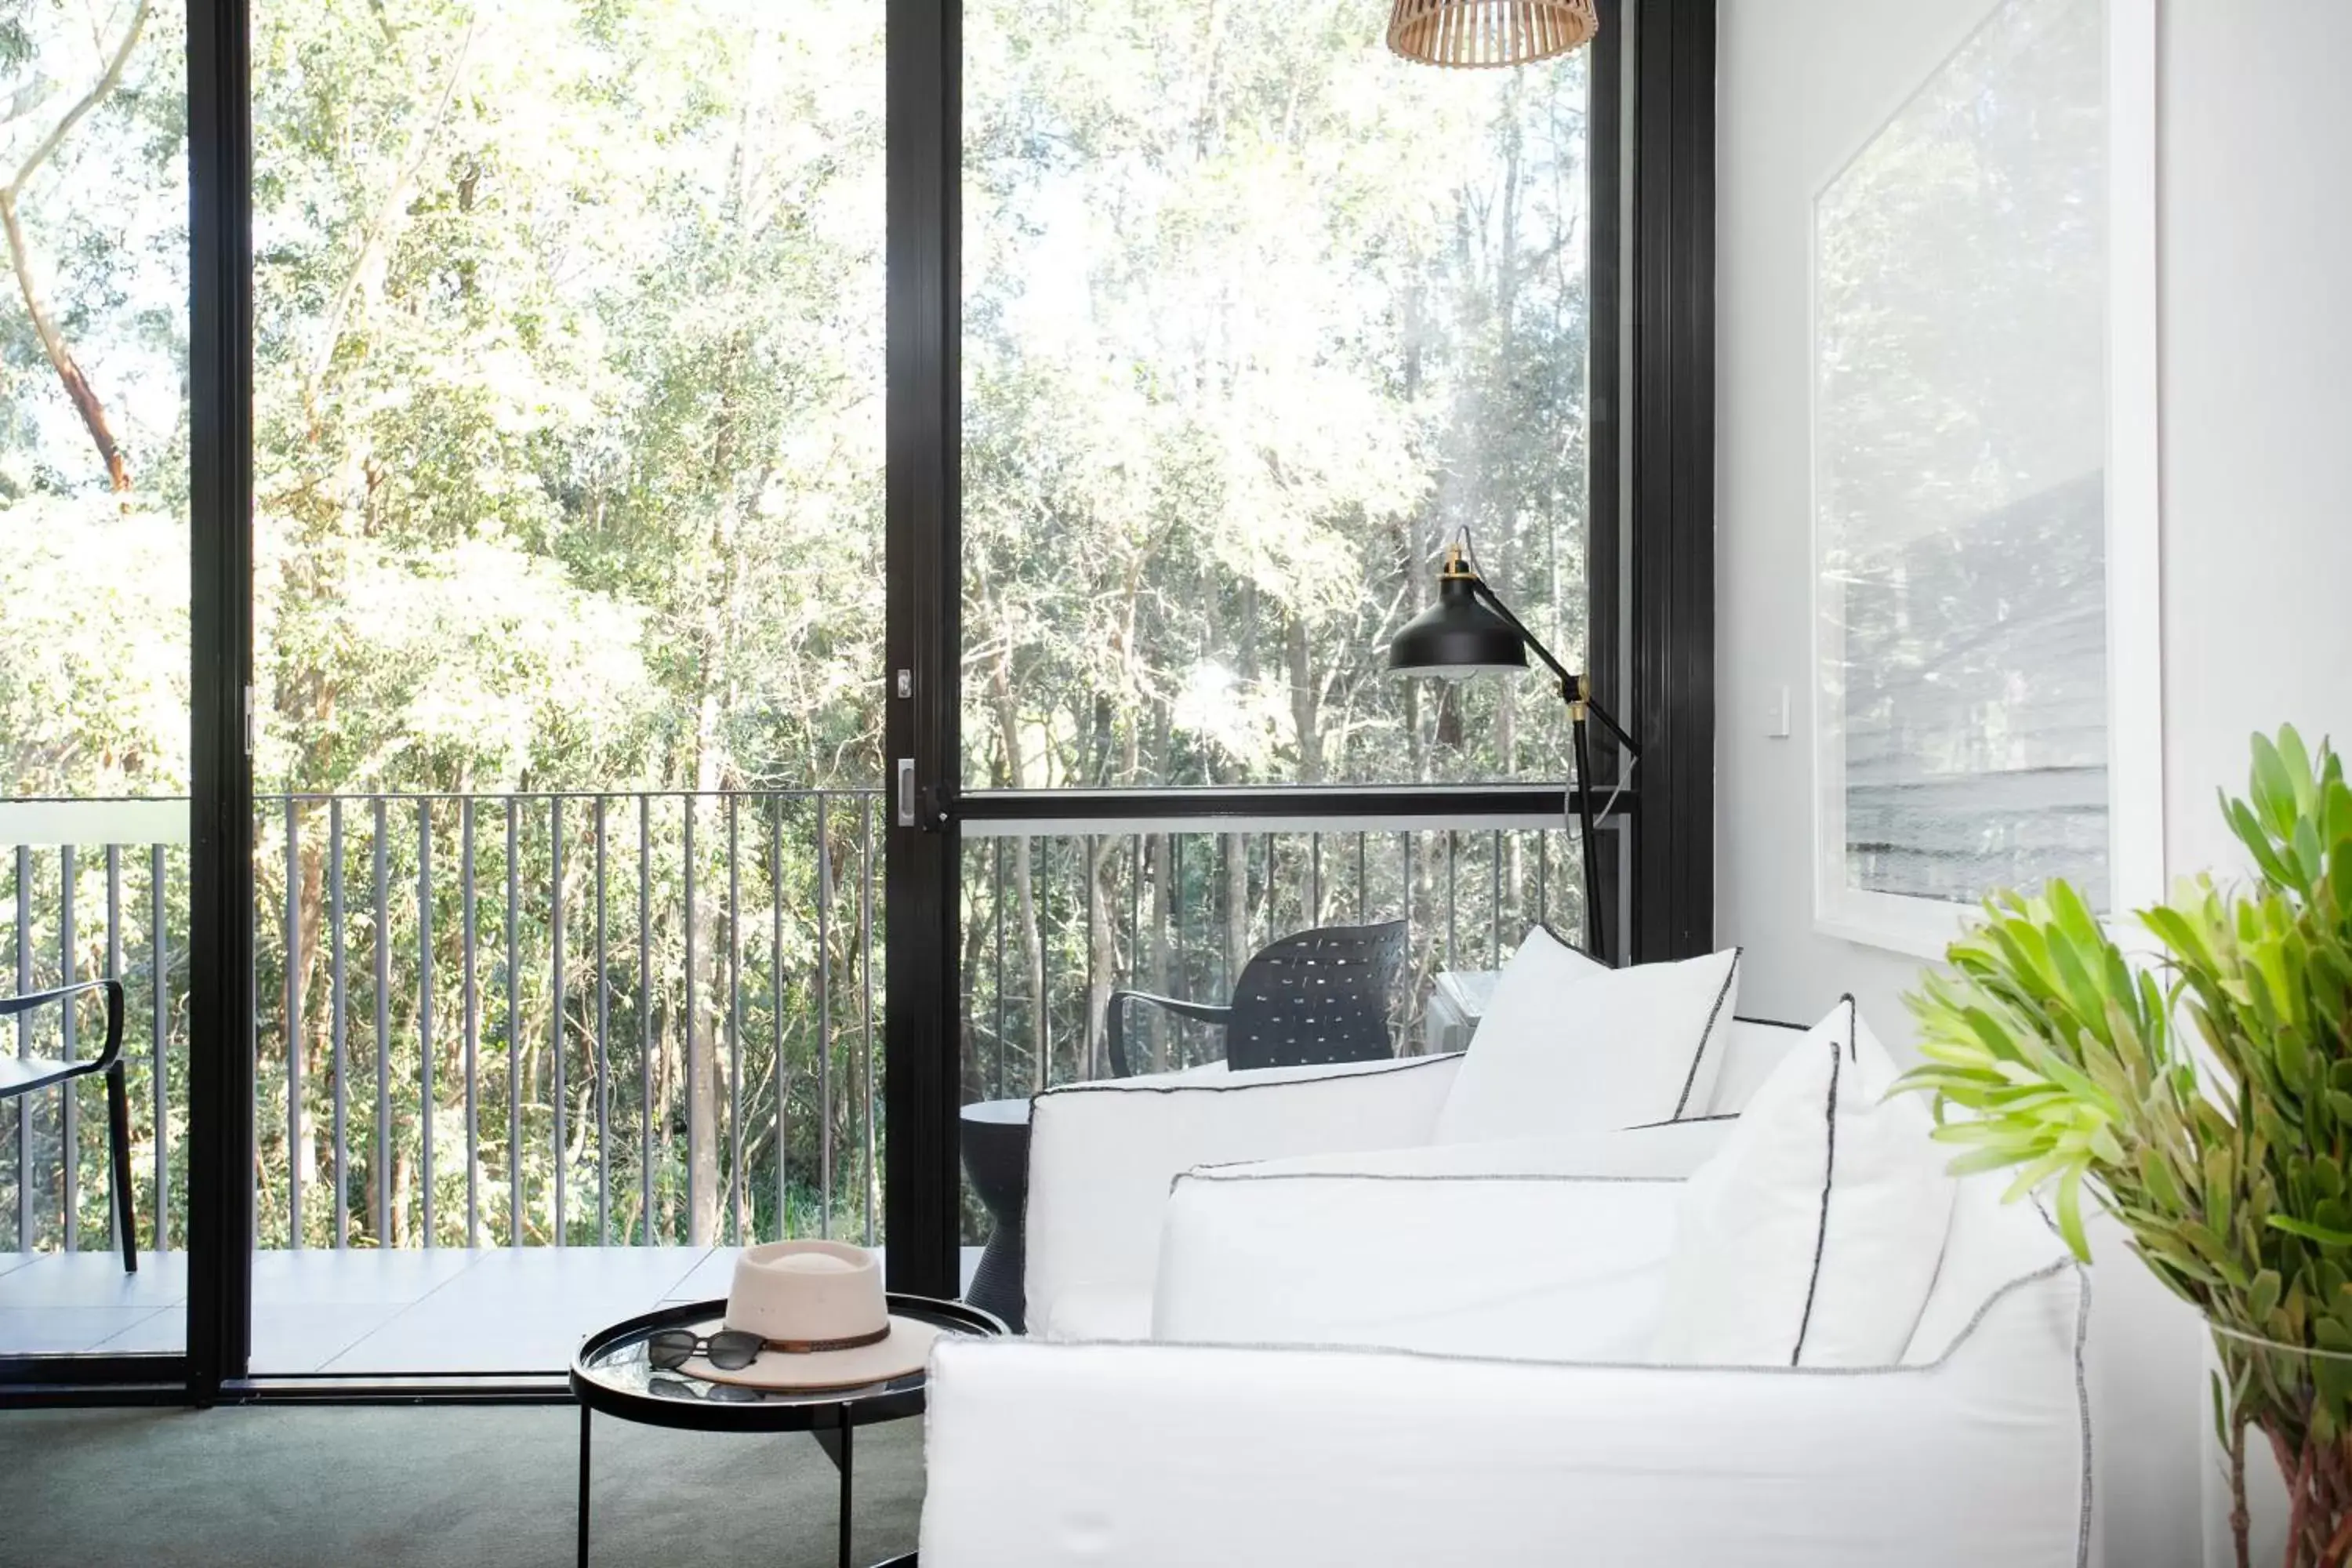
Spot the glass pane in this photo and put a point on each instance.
(568, 339)
(94, 666)
(1257, 315)
(1961, 444)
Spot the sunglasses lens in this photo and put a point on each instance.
(733, 1349)
(729, 1393)
(669, 1349)
(669, 1388)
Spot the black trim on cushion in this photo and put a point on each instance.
(1772, 1023)
(1130, 1085)
(1209, 1173)
(1690, 1079)
(1684, 1121)
(1829, 1177)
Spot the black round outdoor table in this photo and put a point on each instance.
(611, 1374)
(996, 1156)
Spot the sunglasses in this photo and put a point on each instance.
(716, 1392)
(729, 1350)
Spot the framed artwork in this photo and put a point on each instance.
(1987, 697)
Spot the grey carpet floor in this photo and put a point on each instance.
(443, 1487)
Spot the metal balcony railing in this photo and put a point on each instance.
(645, 1018)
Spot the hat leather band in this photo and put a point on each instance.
(818, 1347)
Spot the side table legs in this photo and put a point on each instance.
(585, 1415)
(836, 1443)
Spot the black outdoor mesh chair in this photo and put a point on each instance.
(23, 1075)
(1317, 997)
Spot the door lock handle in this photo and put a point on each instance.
(907, 792)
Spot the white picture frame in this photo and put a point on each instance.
(2131, 537)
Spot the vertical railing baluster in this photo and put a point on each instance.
(1543, 878)
(866, 987)
(1404, 901)
(514, 1029)
(114, 971)
(1242, 958)
(646, 1019)
(776, 1013)
(736, 1187)
(1087, 1069)
(293, 990)
(469, 935)
(27, 1237)
(1315, 879)
(338, 1023)
(823, 1026)
(69, 1093)
(1453, 903)
(159, 946)
(427, 1099)
(1178, 978)
(1135, 859)
(1495, 902)
(382, 889)
(695, 1131)
(604, 1053)
(559, 1100)
(997, 904)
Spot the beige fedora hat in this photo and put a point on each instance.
(820, 1306)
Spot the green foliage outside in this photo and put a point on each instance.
(2228, 1167)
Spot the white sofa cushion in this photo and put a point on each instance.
(1568, 1047)
(1101, 1157)
(1553, 1249)
(1812, 1237)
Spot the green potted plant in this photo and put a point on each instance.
(2225, 1151)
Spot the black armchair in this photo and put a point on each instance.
(1318, 996)
(23, 1075)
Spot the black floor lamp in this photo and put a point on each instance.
(1470, 631)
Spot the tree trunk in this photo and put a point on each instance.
(1306, 701)
(76, 385)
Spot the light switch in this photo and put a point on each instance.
(1776, 715)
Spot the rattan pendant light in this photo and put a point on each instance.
(1490, 32)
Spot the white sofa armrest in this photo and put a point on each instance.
(1102, 1155)
(1427, 1248)
(1173, 1456)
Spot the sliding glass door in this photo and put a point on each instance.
(1257, 318)
(94, 696)
(568, 400)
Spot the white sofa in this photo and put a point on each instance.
(1361, 1360)
(1103, 1157)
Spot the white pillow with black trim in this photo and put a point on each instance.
(1570, 1046)
(1811, 1238)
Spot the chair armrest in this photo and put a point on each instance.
(1115, 1021)
(1306, 1251)
(1102, 1156)
(1257, 1457)
(113, 1049)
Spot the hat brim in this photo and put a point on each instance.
(905, 1349)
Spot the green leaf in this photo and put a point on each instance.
(2070, 1215)
(2310, 1232)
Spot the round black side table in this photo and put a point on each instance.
(611, 1374)
(997, 1157)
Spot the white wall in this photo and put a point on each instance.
(2254, 251)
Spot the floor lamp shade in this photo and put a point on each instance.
(1476, 33)
(1457, 636)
